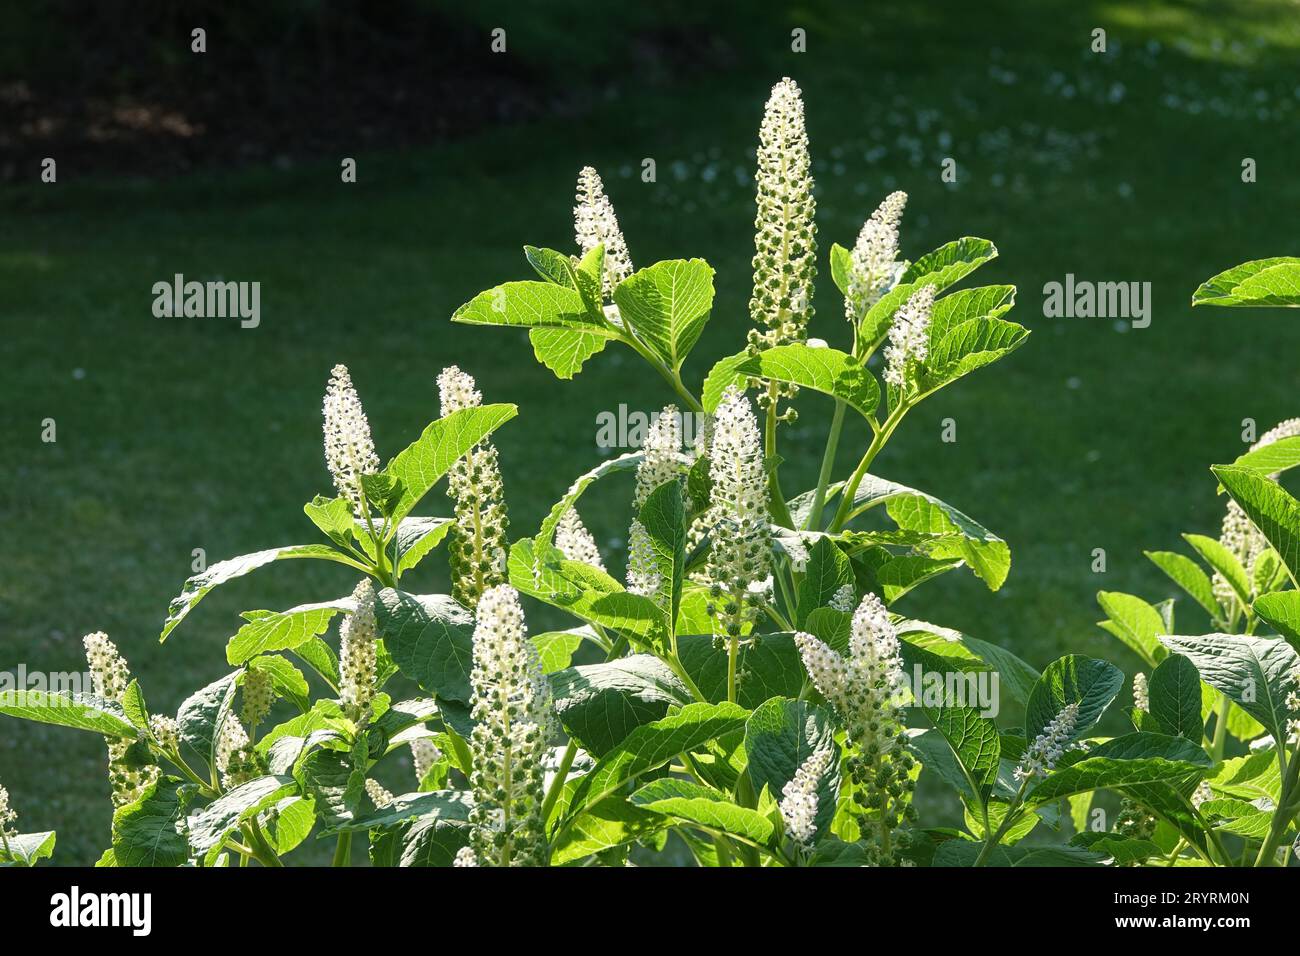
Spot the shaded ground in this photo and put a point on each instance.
(177, 434)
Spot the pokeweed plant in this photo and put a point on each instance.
(1238, 682)
(753, 699)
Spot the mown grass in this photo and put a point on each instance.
(180, 434)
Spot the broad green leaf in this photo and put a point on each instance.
(705, 807)
(321, 658)
(667, 305)
(964, 853)
(725, 373)
(209, 827)
(293, 822)
(770, 663)
(600, 704)
(333, 516)
(555, 649)
(968, 305)
(1090, 683)
(150, 831)
(941, 268)
(663, 515)
(134, 707)
(780, 736)
(841, 267)
(975, 743)
(431, 639)
(1282, 610)
(202, 714)
(609, 824)
(1175, 694)
(66, 709)
(1187, 574)
(28, 849)
(1273, 510)
(419, 466)
(1135, 622)
(1225, 562)
(1125, 851)
(532, 304)
(623, 463)
(968, 347)
(1255, 672)
(1016, 676)
(198, 586)
(1134, 760)
(653, 745)
(1273, 458)
(565, 351)
(331, 779)
(406, 807)
(416, 537)
(825, 370)
(1261, 282)
(281, 630)
(828, 570)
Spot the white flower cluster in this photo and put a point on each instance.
(798, 804)
(514, 720)
(843, 599)
(739, 563)
(465, 857)
(643, 576)
(109, 678)
(874, 268)
(380, 797)
(7, 816)
(785, 243)
(237, 760)
(1239, 534)
(476, 545)
(1041, 755)
(259, 694)
(1202, 795)
(349, 449)
(1293, 705)
(1141, 696)
(166, 731)
(357, 662)
(594, 223)
(909, 337)
(661, 454)
(575, 541)
(424, 754)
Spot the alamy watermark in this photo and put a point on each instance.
(48, 688)
(1081, 299)
(627, 429)
(208, 300)
(977, 690)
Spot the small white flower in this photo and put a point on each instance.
(642, 571)
(843, 599)
(909, 337)
(349, 449)
(798, 804)
(424, 754)
(874, 266)
(1141, 697)
(465, 857)
(575, 541)
(166, 731)
(109, 676)
(1041, 756)
(594, 223)
(661, 459)
(457, 391)
(259, 694)
(1202, 795)
(7, 816)
(236, 759)
(380, 797)
(357, 661)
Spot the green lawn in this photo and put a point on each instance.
(175, 434)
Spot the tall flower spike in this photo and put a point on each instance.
(575, 541)
(1141, 699)
(643, 576)
(357, 661)
(109, 678)
(514, 720)
(476, 545)
(380, 797)
(909, 338)
(7, 816)
(259, 694)
(424, 754)
(874, 268)
(349, 449)
(785, 243)
(864, 690)
(661, 454)
(237, 760)
(1041, 756)
(739, 565)
(798, 804)
(166, 731)
(594, 223)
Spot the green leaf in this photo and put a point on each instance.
(975, 743)
(600, 704)
(1282, 610)
(1225, 562)
(281, 630)
(149, 832)
(1262, 282)
(330, 778)
(210, 826)
(532, 304)
(198, 586)
(66, 709)
(419, 466)
(416, 538)
(1090, 683)
(825, 370)
(667, 305)
(565, 351)
(447, 804)
(663, 516)
(134, 707)
(770, 663)
(1134, 760)
(614, 466)
(28, 849)
(725, 373)
(609, 824)
(333, 516)
(968, 347)
(1125, 851)
(652, 745)
(841, 267)
(431, 639)
(828, 570)
(964, 853)
(286, 680)
(941, 268)
(555, 649)
(1272, 459)
(1135, 622)
(968, 305)
(1273, 510)
(780, 736)
(1255, 672)
(1175, 694)
(202, 714)
(1187, 574)
(705, 807)
(294, 819)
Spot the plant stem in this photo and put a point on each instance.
(1286, 807)
(1008, 820)
(1220, 730)
(733, 650)
(343, 850)
(828, 465)
(561, 774)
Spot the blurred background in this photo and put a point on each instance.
(176, 434)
